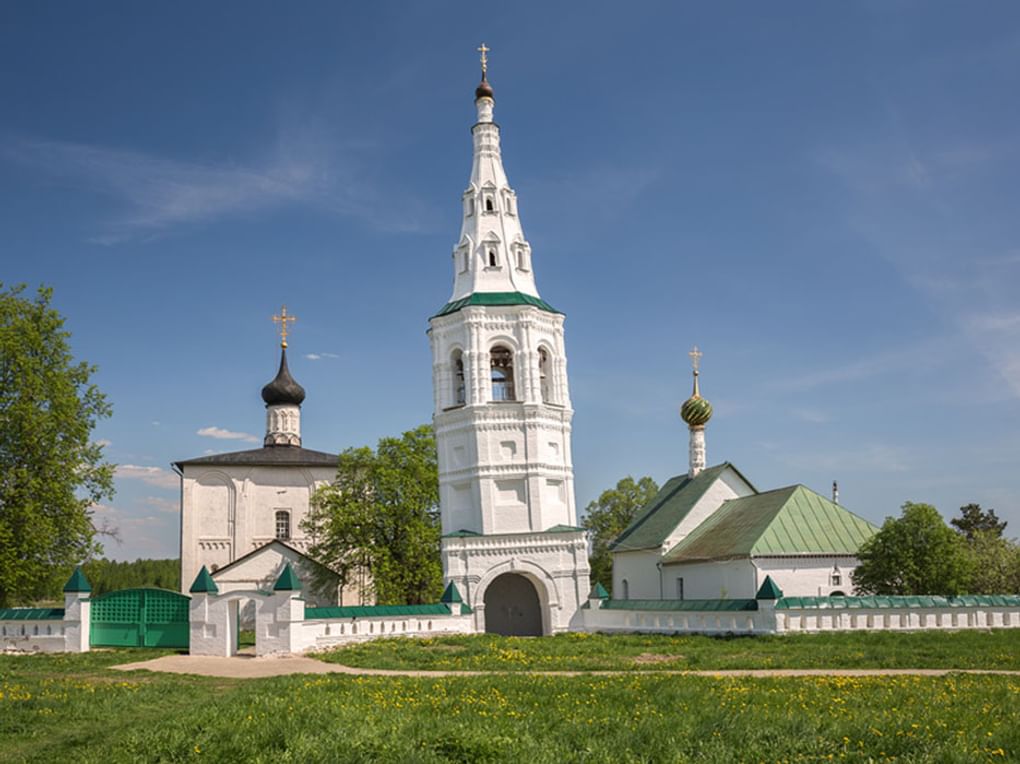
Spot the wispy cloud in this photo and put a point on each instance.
(220, 434)
(170, 506)
(320, 356)
(156, 476)
(155, 194)
(104, 442)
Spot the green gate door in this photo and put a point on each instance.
(140, 618)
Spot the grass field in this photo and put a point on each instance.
(998, 649)
(74, 708)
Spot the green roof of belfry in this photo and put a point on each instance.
(657, 519)
(495, 299)
(787, 521)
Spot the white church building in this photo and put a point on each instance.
(241, 512)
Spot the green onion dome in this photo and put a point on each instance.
(696, 410)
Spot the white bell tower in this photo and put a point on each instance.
(502, 416)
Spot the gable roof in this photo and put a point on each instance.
(787, 521)
(268, 456)
(204, 583)
(656, 520)
(265, 547)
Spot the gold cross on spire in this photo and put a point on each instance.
(283, 319)
(695, 355)
(485, 59)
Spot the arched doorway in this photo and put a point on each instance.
(512, 607)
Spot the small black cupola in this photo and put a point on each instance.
(283, 389)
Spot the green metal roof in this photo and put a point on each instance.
(671, 605)
(461, 534)
(452, 594)
(564, 529)
(787, 521)
(898, 601)
(495, 299)
(377, 611)
(31, 614)
(769, 590)
(656, 520)
(204, 583)
(77, 582)
(598, 592)
(288, 580)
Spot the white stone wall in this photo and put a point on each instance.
(341, 631)
(726, 579)
(556, 564)
(227, 511)
(806, 576)
(641, 573)
(44, 636)
(768, 620)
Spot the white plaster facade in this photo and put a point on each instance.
(230, 510)
(502, 408)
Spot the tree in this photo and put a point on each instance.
(608, 516)
(916, 553)
(995, 564)
(974, 520)
(382, 515)
(51, 472)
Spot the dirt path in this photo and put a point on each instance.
(245, 667)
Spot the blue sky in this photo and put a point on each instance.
(822, 196)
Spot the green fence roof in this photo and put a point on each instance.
(897, 601)
(674, 605)
(495, 299)
(379, 611)
(32, 614)
(787, 521)
(657, 519)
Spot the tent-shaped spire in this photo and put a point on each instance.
(768, 590)
(288, 580)
(204, 583)
(77, 582)
(451, 595)
(598, 592)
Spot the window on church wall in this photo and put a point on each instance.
(502, 364)
(545, 387)
(459, 390)
(835, 578)
(625, 585)
(492, 258)
(465, 261)
(490, 203)
(680, 588)
(469, 207)
(283, 525)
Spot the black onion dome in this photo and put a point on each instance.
(283, 389)
(484, 89)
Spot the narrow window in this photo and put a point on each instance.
(492, 258)
(543, 375)
(489, 206)
(283, 525)
(626, 589)
(458, 378)
(502, 363)
(835, 579)
(680, 588)
(467, 261)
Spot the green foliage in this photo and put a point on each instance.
(110, 575)
(578, 651)
(50, 470)
(608, 516)
(973, 520)
(916, 553)
(995, 564)
(382, 515)
(74, 708)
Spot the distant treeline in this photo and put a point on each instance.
(110, 575)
